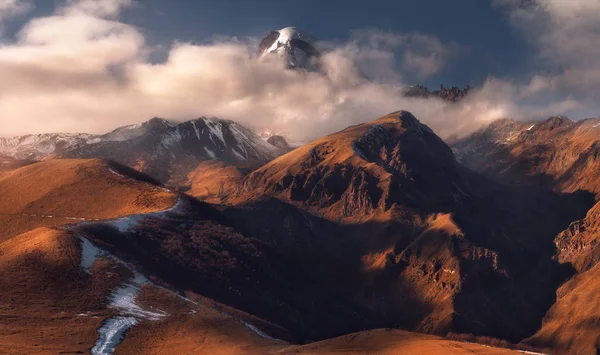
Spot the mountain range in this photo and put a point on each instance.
(205, 237)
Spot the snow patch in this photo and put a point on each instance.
(215, 128)
(124, 299)
(210, 153)
(111, 334)
(257, 331)
(196, 129)
(127, 223)
(238, 155)
(89, 254)
(529, 129)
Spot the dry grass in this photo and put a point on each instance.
(51, 193)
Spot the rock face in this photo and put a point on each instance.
(295, 47)
(279, 142)
(384, 214)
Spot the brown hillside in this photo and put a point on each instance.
(48, 303)
(571, 326)
(59, 192)
(558, 153)
(382, 213)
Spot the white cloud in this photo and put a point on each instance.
(82, 69)
(10, 8)
(566, 35)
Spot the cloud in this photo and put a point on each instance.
(566, 36)
(81, 69)
(10, 8)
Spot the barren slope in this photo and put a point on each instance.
(60, 192)
(382, 213)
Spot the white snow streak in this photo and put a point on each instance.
(216, 129)
(238, 155)
(210, 153)
(124, 299)
(111, 334)
(89, 254)
(127, 223)
(257, 331)
(529, 129)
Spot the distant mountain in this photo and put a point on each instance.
(295, 47)
(453, 94)
(167, 151)
(557, 153)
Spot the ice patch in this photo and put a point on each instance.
(111, 334)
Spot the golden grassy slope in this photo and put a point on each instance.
(571, 326)
(212, 180)
(43, 290)
(393, 342)
(53, 192)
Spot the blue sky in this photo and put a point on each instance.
(488, 45)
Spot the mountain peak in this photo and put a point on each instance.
(294, 46)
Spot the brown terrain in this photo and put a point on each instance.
(561, 155)
(374, 227)
(53, 303)
(382, 213)
(60, 192)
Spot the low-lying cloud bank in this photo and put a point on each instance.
(83, 70)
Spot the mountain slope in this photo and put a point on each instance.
(384, 214)
(59, 192)
(562, 155)
(557, 153)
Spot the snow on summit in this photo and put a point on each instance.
(295, 47)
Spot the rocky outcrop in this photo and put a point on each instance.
(453, 94)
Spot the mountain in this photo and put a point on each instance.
(453, 94)
(561, 155)
(164, 150)
(376, 226)
(38, 146)
(384, 214)
(295, 47)
(109, 249)
(556, 153)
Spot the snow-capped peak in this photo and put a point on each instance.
(285, 37)
(295, 47)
